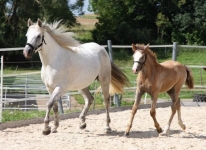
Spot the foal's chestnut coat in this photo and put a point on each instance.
(154, 78)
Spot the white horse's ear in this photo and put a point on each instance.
(29, 22)
(39, 22)
(133, 47)
(147, 46)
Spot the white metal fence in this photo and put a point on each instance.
(26, 91)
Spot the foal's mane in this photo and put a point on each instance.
(60, 35)
(147, 50)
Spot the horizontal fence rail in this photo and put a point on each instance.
(27, 89)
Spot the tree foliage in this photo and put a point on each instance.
(123, 21)
(152, 21)
(15, 13)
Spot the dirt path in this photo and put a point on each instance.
(143, 134)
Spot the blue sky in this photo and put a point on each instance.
(86, 3)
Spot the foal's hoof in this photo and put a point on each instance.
(126, 134)
(83, 126)
(164, 134)
(159, 130)
(183, 127)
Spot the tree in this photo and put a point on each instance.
(13, 25)
(123, 21)
(15, 13)
(56, 10)
(190, 23)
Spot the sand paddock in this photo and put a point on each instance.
(142, 136)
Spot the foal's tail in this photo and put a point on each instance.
(189, 80)
(118, 80)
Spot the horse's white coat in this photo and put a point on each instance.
(73, 68)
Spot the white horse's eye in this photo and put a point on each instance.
(38, 36)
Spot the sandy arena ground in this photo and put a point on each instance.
(143, 135)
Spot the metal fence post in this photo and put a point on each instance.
(1, 100)
(26, 93)
(109, 45)
(174, 51)
(60, 106)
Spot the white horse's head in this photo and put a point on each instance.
(35, 38)
(139, 57)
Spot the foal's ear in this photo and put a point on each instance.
(147, 46)
(29, 22)
(134, 47)
(39, 22)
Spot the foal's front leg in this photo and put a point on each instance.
(134, 110)
(56, 94)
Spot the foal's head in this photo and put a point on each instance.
(139, 56)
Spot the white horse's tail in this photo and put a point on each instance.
(118, 80)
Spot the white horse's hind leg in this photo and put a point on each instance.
(105, 90)
(88, 98)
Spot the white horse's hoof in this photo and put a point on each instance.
(47, 131)
(83, 125)
(107, 130)
(54, 131)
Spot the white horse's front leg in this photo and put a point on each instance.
(52, 102)
(56, 117)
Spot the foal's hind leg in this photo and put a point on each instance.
(175, 106)
(153, 113)
(180, 122)
(173, 111)
(88, 98)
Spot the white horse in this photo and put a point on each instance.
(68, 65)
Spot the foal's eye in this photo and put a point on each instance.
(38, 36)
(142, 57)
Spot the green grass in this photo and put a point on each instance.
(13, 115)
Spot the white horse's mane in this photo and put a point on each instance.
(60, 35)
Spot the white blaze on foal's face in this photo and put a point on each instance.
(138, 59)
